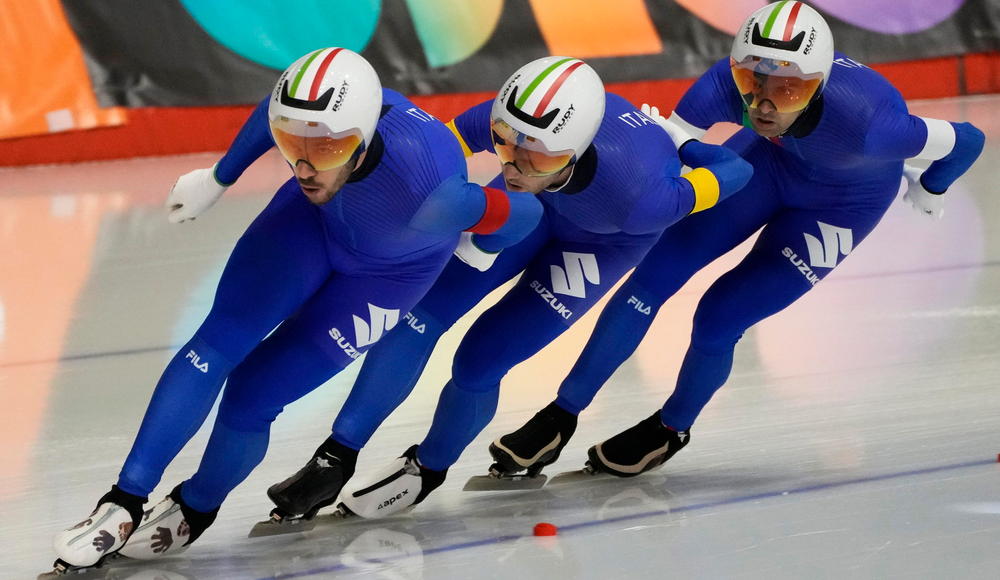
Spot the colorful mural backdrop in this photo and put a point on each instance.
(231, 49)
(228, 52)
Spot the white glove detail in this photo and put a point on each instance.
(677, 134)
(471, 254)
(193, 193)
(923, 201)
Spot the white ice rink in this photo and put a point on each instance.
(857, 437)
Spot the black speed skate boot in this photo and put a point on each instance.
(317, 484)
(536, 444)
(640, 448)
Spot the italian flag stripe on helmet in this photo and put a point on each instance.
(789, 23)
(553, 88)
(318, 72)
(318, 78)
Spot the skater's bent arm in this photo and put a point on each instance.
(500, 216)
(952, 147)
(253, 140)
(717, 174)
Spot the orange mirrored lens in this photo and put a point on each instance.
(788, 94)
(529, 162)
(532, 163)
(323, 153)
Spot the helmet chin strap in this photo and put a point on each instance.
(569, 177)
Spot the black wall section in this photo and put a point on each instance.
(153, 53)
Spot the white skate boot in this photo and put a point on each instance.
(102, 534)
(400, 487)
(168, 528)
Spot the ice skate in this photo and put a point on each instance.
(168, 528)
(95, 540)
(400, 487)
(300, 497)
(640, 448)
(529, 449)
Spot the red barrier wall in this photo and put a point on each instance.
(175, 130)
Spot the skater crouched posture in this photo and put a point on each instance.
(828, 143)
(608, 177)
(342, 251)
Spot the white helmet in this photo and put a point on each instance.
(328, 92)
(790, 34)
(556, 101)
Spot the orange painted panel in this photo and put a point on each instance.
(596, 28)
(44, 85)
(982, 73)
(911, 77)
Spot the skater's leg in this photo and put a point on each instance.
(392, 368)
(276, 265)
(682, 250)
(562, 282)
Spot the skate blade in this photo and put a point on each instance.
(61, 569)
(273, 527)
(576, 476)
(505, 482)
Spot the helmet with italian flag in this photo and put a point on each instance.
(786, 39)
(554, 104)
(332, 95)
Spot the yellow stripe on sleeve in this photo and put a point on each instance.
(706, 188)
(461, 141)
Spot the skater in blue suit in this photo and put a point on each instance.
(608, 178)
(345, 248)
(827, 137)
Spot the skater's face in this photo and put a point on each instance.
(768, 122)
(319, 187)
(517, 181)
(775, 92)
(528, 165)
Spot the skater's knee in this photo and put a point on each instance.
(242, 408)
(475, 375)
(715, 327)
(477, 366)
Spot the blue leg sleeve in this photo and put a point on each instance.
(393, 366)
(460, 416)
(682, 250)
(390, 371)
(621, 327)
(278, 263)
(182, 400)
(283, 369)
(781, 267)
(536, 311)
(298, 357)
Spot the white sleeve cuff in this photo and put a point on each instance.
(691, 130)
(940, 139)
